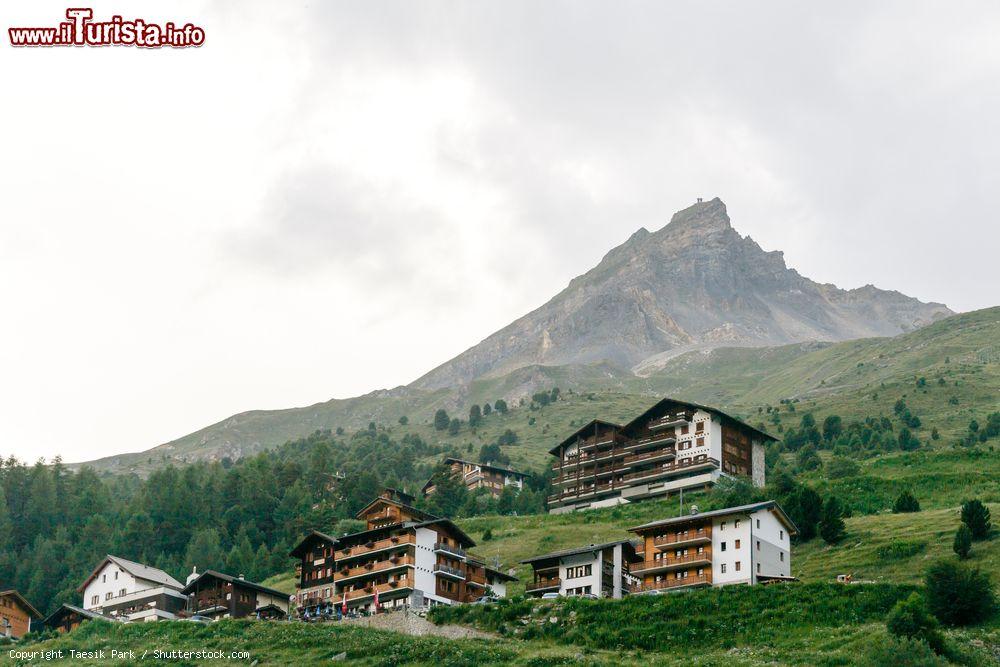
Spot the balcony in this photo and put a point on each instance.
(543, 585)
(585, 492)
(345, 574)
(651, 441)
(383, 589)
(686, 538)
(678, 467)
(450, 549)
(668, 421)
(649, 456)
(376, 546)
(449, 571)
(672, 563)
(672, 584)
(597, 441)
(588, 459)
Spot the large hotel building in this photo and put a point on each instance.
(673, 445)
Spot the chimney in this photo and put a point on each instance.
(194, 575)
(694, 509)
(242, 577)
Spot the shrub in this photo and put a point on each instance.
(487, 535)
(839, 467)
(963, 542)
(831, 526)
(906, 502)
(900, 549)
(958, 595)
(910, 619)
(976, 516)
(901, 653)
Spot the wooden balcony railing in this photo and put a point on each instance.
(671, 561)
(370, 590)
(542, 584)
(450, 549)
(671, 582)
(372, 568)
(368, 547)
(699, 535)
(666, 469)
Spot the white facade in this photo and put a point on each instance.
(599, 571)
(111, 582)
(117, 583)
(745, 546)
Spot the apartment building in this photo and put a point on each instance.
(603, 570)
(672, 446)
(16, 614)
(488, 476)
(129, 591)
(404, 557)
(749, 544)
(218, 595)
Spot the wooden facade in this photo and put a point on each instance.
(68, 618)
(219, 595)
(475, 476)
(16, 614)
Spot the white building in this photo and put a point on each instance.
(125, 590)
(749, 544)
(595, 569)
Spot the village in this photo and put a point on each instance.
(409, 559)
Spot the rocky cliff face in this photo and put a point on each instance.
(695, 284)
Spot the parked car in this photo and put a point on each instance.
(198, 619)
(588, 596)
(550, 596)
(486, 599)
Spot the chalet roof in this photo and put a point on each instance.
(361, 535)
(137, 570)
(301, 547)
(500, 575)
(579, 550)
(418, 513)
(697, 406)
(487, 466)
(727, 511)
(67, 608)
(10, 592)
(235, 581)
(573, 436)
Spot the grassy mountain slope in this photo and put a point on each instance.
(846, 378)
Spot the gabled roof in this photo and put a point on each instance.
(578, 550)
(300, 548)
(697, 406)
(488, 466)
(137, 570)
(355, 537)
(235, 581)
(573, 436)
(67, 608)
(499, 575)
(726, 511)
(417, 513)
(10, 592)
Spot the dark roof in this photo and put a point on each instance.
(402, 495)
(354, 537)
(236, 581)
(417, 512)
(573, 436)
(34, 613)
(486, 465)
(66, 608)
(698, 406)
(578, 550)
(741, 509)
(301, 547)
(501, 575)
(137, 570)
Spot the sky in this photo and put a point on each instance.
(328, 198)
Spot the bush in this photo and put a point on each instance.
(831, 526)
(963, 542)
(976, 516)
(910, 619)
(959, 595)
(906, 502)
(901, 653)
(900, 549)
(839, 467)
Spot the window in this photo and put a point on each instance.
(122, 593)
(701, 572)
(781, 534)
(758, 568)
(723, 568)
(699, 427)
(578, 571)
(781, 556)
(758, 545)
(736, 524)
(722, 546)
(737, 566)
(700, 441)
(95, 599)
(758, 523)
(104, 578)
(684, 429)
(737, 545)
(722, 526)
(108, 595)
(116, 575)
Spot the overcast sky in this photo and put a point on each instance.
(333, 197)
